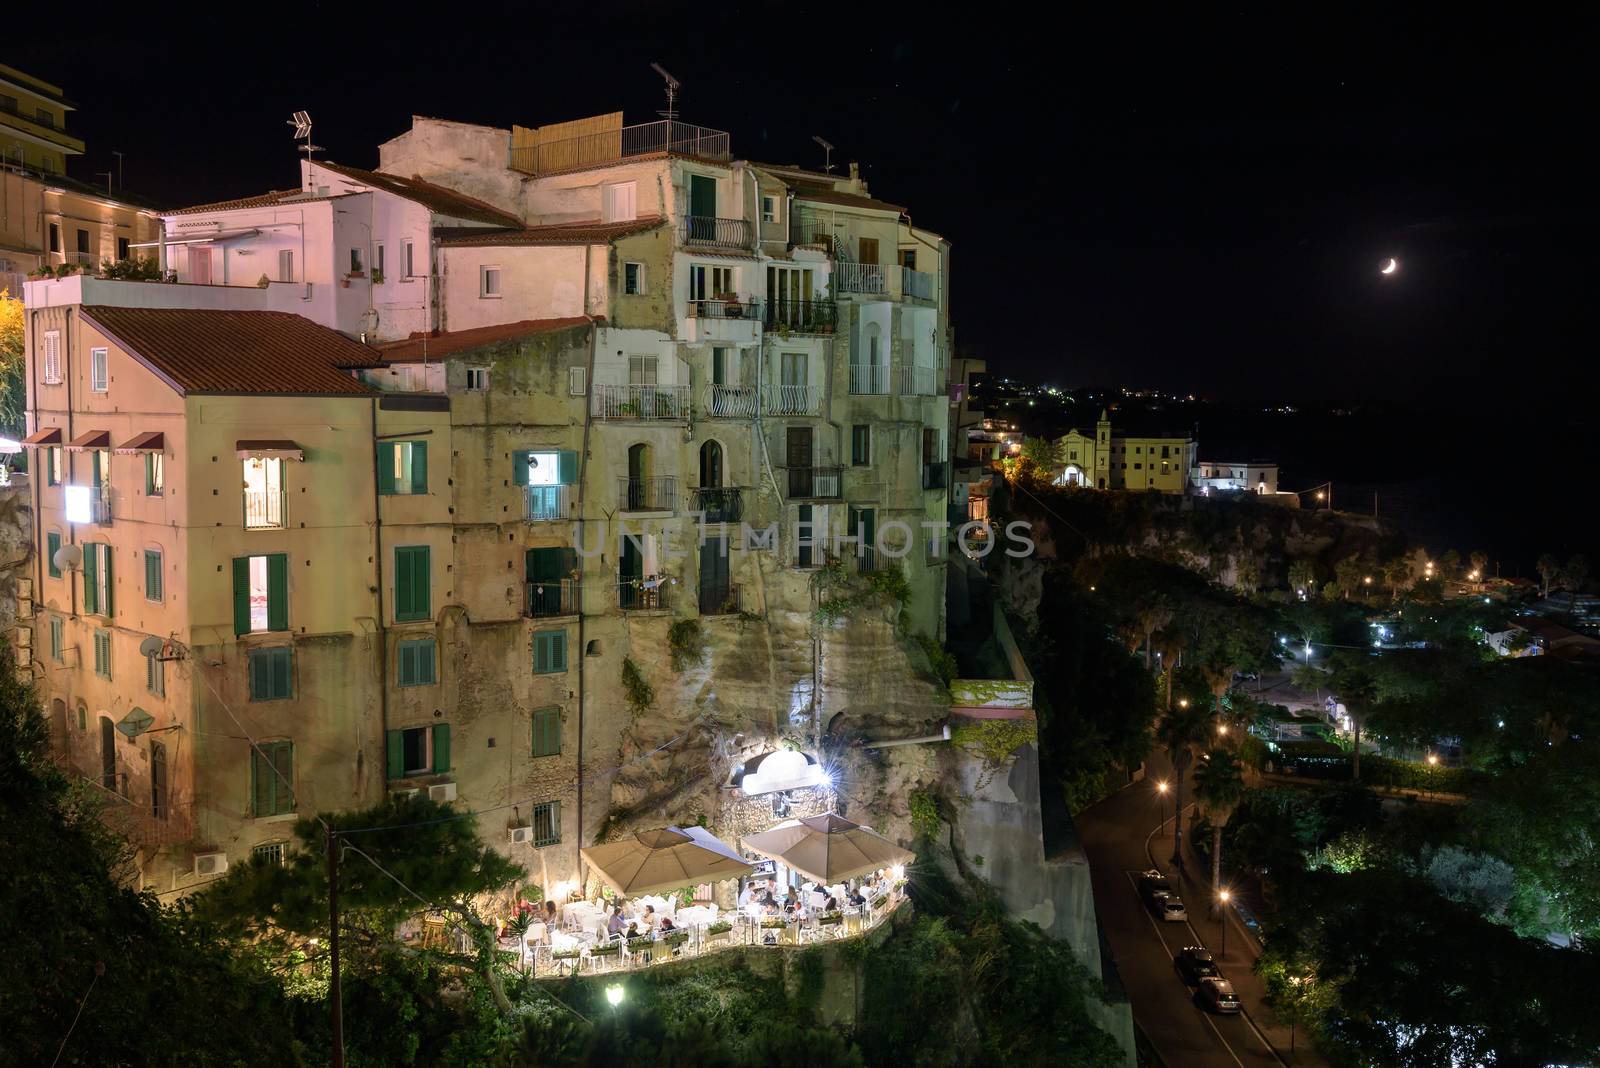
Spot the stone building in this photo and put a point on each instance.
(1108, 459)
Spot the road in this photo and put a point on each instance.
(1120, 836)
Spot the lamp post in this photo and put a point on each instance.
(1222, 896)
(1161, 791)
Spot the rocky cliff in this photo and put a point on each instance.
(16, 547)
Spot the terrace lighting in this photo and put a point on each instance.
(614, 994)
(898, 871)
(1433, 759)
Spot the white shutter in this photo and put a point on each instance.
(577, 381)
(52, 357)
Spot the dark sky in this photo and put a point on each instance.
(1196, 205)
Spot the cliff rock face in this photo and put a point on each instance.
(16, 549)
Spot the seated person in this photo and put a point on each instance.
(666, 924)
(633, 930)
(549, 915)
(747, 894)
(649, 920)
(856, 898)
(615, 925)
(831, 905)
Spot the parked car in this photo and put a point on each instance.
(1153, 886)
(1194, 963)
(1215, 994)
(1170, 908)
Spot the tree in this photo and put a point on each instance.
(1303, 577)
(1397, 576)
(13, 373)
(1353, 682)
(1549, 569)
(1042, 453)
(1218, 789)
(1480, 564)
(1181, 732)
(1576, 573)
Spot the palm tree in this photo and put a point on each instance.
(1549, 569)
(1181, 732)
(1357, 689)
(1218, 789)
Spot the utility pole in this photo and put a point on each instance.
(333, 948)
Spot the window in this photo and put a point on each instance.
(155, 675)
(1137, 465)
(908, 259)
(152, 574)
(709, 283)
(124, 248)
(99, 372)
(58, 644)
(719, 366)
(477, 380)
(83, 241)
(97, 579)
(377, 262)
(417, 751)
(633, 279)
(102, 653)
(860, 444)
(260, 593)
(547, 823)
(263, 493)
(547, 732)
(272, 674)
(409, 256)
(412, 583)
(488, 282)
(641, 370)
(355, 261)
(158, 780)
(402, 467)
(416, 663)
(52, 357)
(269, 853)
(286, 265)
(83, 717)
(549, 652)
(769, 209)
(44, 118)
(869, 249)
(1164, 452)
(577, 381)
(272, 778)
(619, 201)
(55, 237)
(53, 467)
(52, 542)
(155, 474)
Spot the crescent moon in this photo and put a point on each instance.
(1390, 267)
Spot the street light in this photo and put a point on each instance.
(1222, 896)
(1161, 788)
(1222, 728)
(614, 994)
(1183, 702)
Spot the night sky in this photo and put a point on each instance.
(1200, 206)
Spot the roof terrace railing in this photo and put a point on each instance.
(665, 135)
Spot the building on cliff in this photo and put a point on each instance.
(411, 478)
(1109, 459)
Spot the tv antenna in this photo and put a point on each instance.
(673, 85)
(827, 149)
(302, 129)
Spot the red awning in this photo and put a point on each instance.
(50, 435)
(283, 450)
(91, 439)
(149, 441)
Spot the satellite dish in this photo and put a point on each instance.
(135, 723)
(68, 558)
(151, 646)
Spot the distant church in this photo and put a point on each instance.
(1108, 460)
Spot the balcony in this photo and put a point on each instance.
(680, 138)
(815, 483)
(642, 594)
(100, 505)
(728, 402)
(543, 504)
(919, 382)
(935, 475)
(647, 494)
(555, 597)
(793, 400)
(869, 379)
(728, 318)
(641, 402)
(869, 278)
(706, 230)
(802, 316)
(721, 504)
(266, 510)
(919, 285)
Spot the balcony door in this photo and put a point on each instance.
(263, 492)
(710, 465)
(798, 459)
(703, 200)
(715, 591)
(108, 754)
(199, 265)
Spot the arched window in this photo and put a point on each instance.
(108, 753)
(58, 717)
(593, 648)
(638, 477)
(158, 780)
(711, 465)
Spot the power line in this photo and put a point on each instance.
(99, 970)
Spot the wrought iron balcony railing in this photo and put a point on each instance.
(721, 504)
(728, 402)
(815, 483)
(554, 597)
(642, 402)
(793, 400)
(647, 494)
(547, 503)
(266, 510)
(706, 230)
(868, 278)
(746, 308)
(869, 378)
(642, 594)
(802, 316)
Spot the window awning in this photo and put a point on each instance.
(90, 439)
(50, 435)
(205, 239)
(283, 450)
(149, 441)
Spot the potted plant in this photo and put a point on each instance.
(675, 939)
(731, 307)
(719, 931)
(830, 919)
(640, 944)
(377, 277)
(607, 949)
(571, 954)
(772, 924)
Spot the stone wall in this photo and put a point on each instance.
(16, 547)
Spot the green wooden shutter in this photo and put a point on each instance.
(91, 580)
(407, 665)
(422, 582)
(558, 651)
(282, 662)
(519, 467)
(259, 676)
(419, 467)
(567, 468)
(241, 595)
(105, 570)
(261, 780)
(152, 575)
(394, 754)
(283, 782)
(441, 747)
(52, 542)
(386, 467)
(427, 654)
(278, 592)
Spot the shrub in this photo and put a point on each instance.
(687, 639)
(639, 694)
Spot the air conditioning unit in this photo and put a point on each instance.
(521, 835)
(210, 863)
(443, 791)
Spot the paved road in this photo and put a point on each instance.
(1119, 837)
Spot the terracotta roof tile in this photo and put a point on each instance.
(260, 200)
(203, 351)
(433, 197)
(583, 233)
(848, 200)
(440, 345)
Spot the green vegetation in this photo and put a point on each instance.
(940, 660)
(639, 694)
(133, 269)
(995, 741)
(13, 384)
(687, 639)
(925, 816)
(842, 590)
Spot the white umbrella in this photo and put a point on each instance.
(665, 859)
(828, 848)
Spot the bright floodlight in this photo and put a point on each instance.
(614, 994)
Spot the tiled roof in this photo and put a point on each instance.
(848, 200)
(260, 200)
(433, 197)
(440, 345)
(203, 351)
(582, 233)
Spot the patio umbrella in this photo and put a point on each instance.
(828, 848)
(665, 859)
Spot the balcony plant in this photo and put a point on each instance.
(605, 949)
(638, 945)
(720, 928)
(830, 919)
(675, 939)
(377, 277)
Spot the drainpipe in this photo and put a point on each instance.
(924, 739)
(377, 579)
(583, 471)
